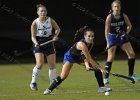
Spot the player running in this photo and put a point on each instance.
(77, 54)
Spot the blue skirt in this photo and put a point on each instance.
(68, 57)
(116, 40)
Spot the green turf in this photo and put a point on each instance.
(80, 85)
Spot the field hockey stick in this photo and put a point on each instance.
(47, 42)
(114, 74)
(123, 76)
(28, 50)
(133, 39)
(102, 52)
(118, 75)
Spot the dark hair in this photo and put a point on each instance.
(81, 30)
(115, 1)
(86, 30)
(39, 5)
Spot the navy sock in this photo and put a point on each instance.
(99, 78)
(55, 83)
(131, 63)
(108, 68)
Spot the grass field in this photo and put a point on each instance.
(80, 85)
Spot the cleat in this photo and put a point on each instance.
(104, 89)
(33, 86)
(136, 78)
(106, 81)
(47, 92)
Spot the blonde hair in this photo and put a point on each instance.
(115, 1)
(40, 5)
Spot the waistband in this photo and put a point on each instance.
(113, 34)
(44, 36)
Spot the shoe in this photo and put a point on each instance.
(104, 89)
(47, 92)
(33, 86)
(106, 81)
(134, 77)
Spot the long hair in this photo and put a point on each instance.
(79, 31)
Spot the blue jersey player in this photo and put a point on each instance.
(116, 26)
(79, 53)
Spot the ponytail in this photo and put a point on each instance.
(80, 30)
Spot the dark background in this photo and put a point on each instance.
(16, 17)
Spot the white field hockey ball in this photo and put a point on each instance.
(107, 93)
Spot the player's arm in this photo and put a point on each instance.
(56, 27)
(107, 28)
(128, 23)
(95, 65)
(33, 33)
(85, 62)
(87, 66)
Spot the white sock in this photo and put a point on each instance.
(52, 74)
(35, 74)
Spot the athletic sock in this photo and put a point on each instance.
(99, 78)
(55, 83)
(35, 74)
(131, 63)
(108, 68)
(52, 74)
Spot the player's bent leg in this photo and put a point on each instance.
(108, 68)
(35, 74)
(52, 66)
(65, 72)
(55, 83)
(52, 74)
(99, 77)
(131, 63)
(108, 65)
(36, 70)
(131, 60)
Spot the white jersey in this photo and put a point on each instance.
(43, 29)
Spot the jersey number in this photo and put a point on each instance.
(118, 29)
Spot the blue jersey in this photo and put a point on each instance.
(117, 26)
(117, 29)
(74, 55)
